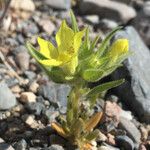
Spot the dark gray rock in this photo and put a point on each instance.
(48, 91)
(5, 146)
(7, 99)
(35, 108)
(107, 9)
(135, 92)
(11, 42)
(28, 28)
(21, 145)
(62, 93)
(51, 114)
(131, 129)
(11, 82)
(55, 93)
(124, 142)
(59, 4)
(30, 75)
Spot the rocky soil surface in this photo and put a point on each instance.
(29, 101)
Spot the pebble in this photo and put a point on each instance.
(93, 19)
(35, 108)
(22, 58)
(21, 145)
(131, 129)
(59, 4)
(51, 114)
(28, 28)
(27, 97)
(48, 91)
(30, 120)
(47, 26)
(7, 98)
(30, 75)
(107, 9)
(34, 87)
(27, 5)
(124, 142)
(55, 147)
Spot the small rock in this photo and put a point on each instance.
(48, 91)
(21, 145)
(11, 82)
(34, 86)
(59, 4)
(5, 146)
(12, 42)
(107, 9)
(20, 39)
(26, 5)
(22, 58)
(27, 97)
(62, 94)
(7, 99)
(47, 26)
(55, 147)
(16, 89)
(51, 115)
(35, 108)
(113, 110)
(93, 19)
(30, 120)
(131, 129)
(146, 8)
(126, 114)
(28, 28)
(124, 142)
(107, 24)
(107, 147)
(30, 75)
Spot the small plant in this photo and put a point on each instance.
(75, 61)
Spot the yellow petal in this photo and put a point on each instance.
(77, 40)
(64, 57)
(119, 47)
(50, 62)
(70, 67)
(64, 37)
(47, 48)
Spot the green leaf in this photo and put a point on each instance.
(92, 75)
(69, 116)
(85, 51)
(103, 87)
(57, 75)
(109, 70)
(103, 47)
(34, 53)
(92, 135)
(77, 127)
(93, 44)
(74, 22)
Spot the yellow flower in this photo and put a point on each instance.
(65, 55)
(118, 48)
